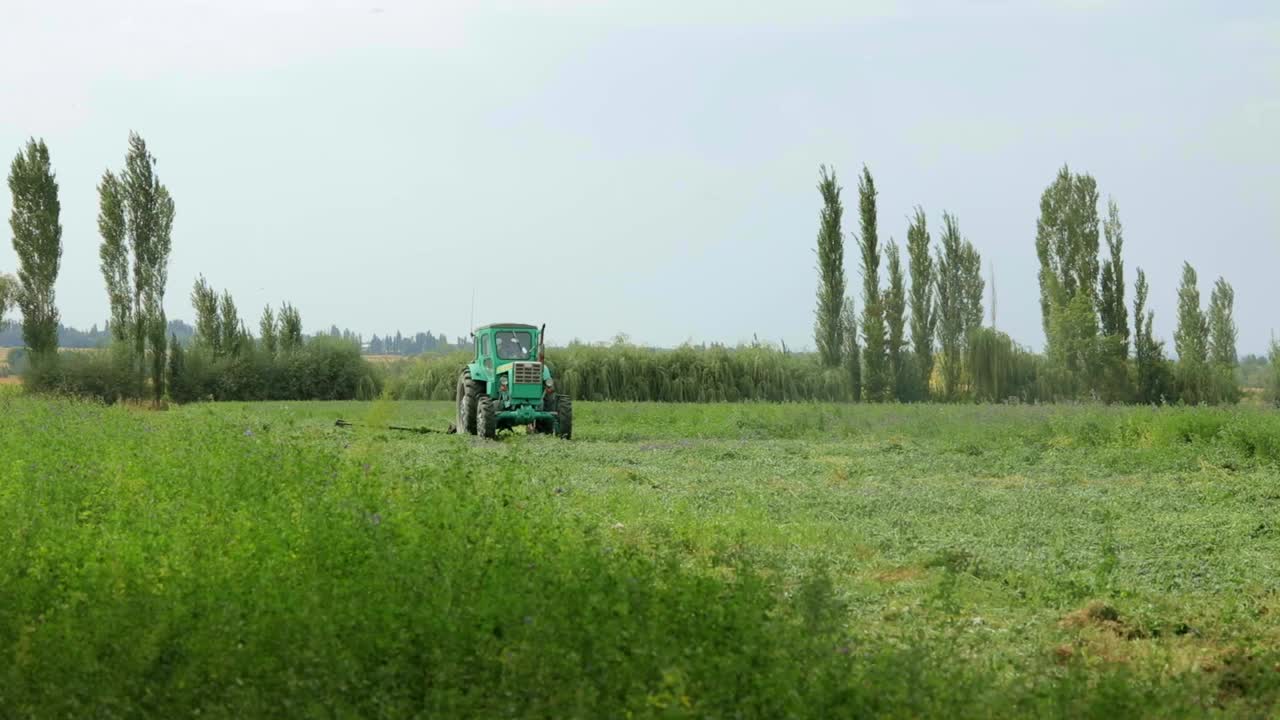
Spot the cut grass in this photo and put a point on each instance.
(806, 560)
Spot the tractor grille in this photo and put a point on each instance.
(528, 373)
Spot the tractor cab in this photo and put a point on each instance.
(508, 384)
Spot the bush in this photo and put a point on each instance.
(323, 369)
(105, 375)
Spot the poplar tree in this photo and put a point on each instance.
(876, 380)
(1222, 342)
(1274, 359)
(1191, 339)
(924, 317)
(135, 208)
(8, 295)
(37, 241)
(951, 311)
(1112, 312)
(895, 304)
(290, 328)
(1149, 360)
(204, 300)
(114, 255)
(828, 326)
(852, 355)
(267, 331)
(1067, 248)
(234, 334)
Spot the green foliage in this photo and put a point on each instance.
(1222, 325)
(104, 376)
(1273, 386)
(895, 306)
(267, 330)
(924, 315)
(235, 337)
(8, 296)
(852, 352)
(114, 255)
(1154, 383)
(1000, 370)
(960, 284)
(290, 328)
(877, 379)
(792, 561)
(1111, 307)
(136, 210)
(208, 335)
(1076, 349)
(1067, 247)
(828, 329)
(634, 374)
(1191, 340)
(1223, 356)
(37, 241)
(322, 369)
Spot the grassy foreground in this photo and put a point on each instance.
(703, 561)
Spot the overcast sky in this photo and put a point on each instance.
(643, 167)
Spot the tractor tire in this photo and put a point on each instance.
(564, 408)
(486, 418)
(468, 391)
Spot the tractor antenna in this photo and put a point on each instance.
(471, 324)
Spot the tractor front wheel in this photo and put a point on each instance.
(486, 418)
(467, 393)
(564, 411)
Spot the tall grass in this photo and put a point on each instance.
(630, 373)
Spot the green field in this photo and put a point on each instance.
(673, 560)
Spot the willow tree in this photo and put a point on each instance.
(828, 325)
(37, 241)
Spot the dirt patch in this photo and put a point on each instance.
(1096, 614)
(898, 575)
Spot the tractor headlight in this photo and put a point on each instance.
(549, 384)
(502, 383)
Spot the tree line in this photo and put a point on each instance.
(145, 357)
(929, 341)
(918, 333)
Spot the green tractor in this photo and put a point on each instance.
(508, 384)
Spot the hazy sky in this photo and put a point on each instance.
(644, 167)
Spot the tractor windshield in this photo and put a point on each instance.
(514, 344)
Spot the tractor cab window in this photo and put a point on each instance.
(514, 344)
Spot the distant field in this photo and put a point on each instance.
(674, 560)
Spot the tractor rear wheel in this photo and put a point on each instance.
(486, 418)
(468, 391)
(564, 409)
